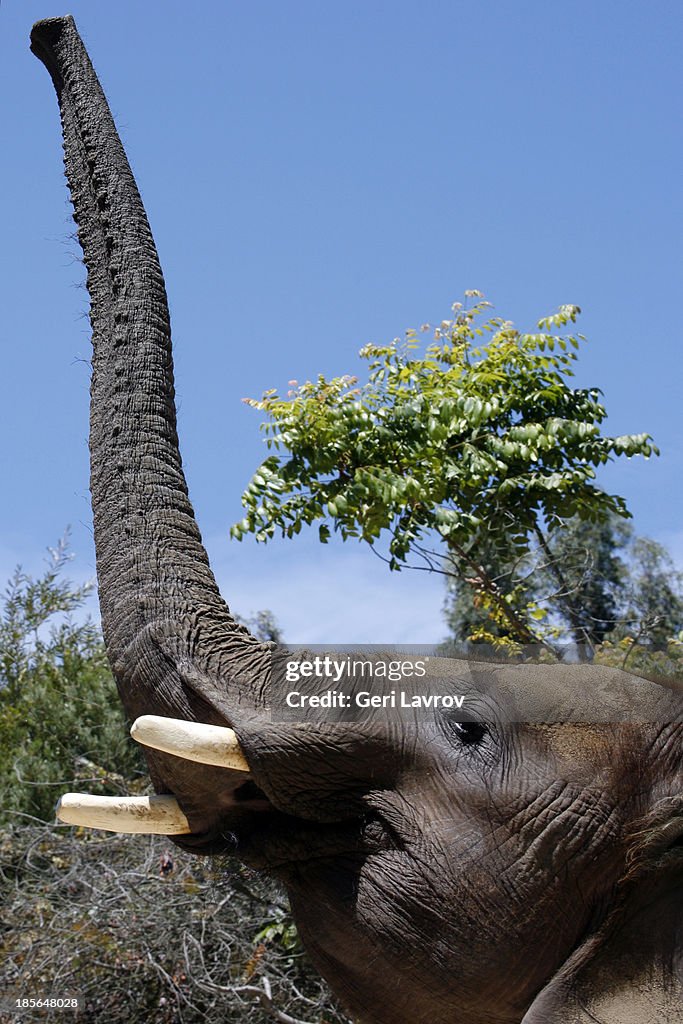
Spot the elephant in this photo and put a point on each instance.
(522, 862)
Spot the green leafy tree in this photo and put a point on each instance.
(61, 720)
(482, 435)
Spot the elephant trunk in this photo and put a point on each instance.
(169, 634)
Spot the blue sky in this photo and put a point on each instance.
(319, 176)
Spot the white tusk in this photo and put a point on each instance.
(207, 744)
(159, 815)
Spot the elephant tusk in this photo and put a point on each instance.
(158, 815)
(207, 744)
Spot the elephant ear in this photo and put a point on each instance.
(631, 971)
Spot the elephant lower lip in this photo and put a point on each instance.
(286, 844)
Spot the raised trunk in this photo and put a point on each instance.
(165, 624)
(174, 648)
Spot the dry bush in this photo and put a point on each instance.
(146, 933)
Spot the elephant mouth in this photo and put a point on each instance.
(239, 817)
(290, 848)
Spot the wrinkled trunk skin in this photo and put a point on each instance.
(173, 646)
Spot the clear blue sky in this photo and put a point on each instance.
(321, 175)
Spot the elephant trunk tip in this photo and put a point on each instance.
(46, 33)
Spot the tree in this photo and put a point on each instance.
(583, 561)
(653, 595)
(625, 590)
(73, 899)
(575, 576)
(648, 638)
(467, 616)
(480, 442)
(60, 715)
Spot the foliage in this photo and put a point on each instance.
(625, 589)
(622, 591)
(467, 614)
(145, 932)
(662, 662)
(584, 575)
(61, 720)
(482, 436)
(575, 577)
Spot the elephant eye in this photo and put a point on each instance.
(469, 733)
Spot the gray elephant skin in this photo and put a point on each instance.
(518, 868)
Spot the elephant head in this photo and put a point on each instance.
(514, 866)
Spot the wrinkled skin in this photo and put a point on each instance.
(439, 871)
